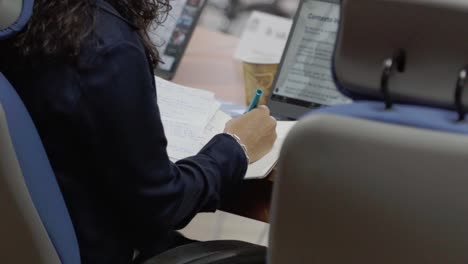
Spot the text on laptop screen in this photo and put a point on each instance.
(305, 76)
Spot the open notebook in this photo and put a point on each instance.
(192, 117)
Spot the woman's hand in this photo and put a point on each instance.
(256, 130)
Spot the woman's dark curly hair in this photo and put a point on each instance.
(58, 27)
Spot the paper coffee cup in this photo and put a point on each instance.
(258, 75)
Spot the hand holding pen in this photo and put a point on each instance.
(256, 129)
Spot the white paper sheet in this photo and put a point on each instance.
(188, 143)
(185, 112)
(184, 104)
(183, 138)
(259, 169)
(215, 126)
(191, 118)
(264, 38)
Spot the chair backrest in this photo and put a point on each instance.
(35, 222)
(35, 226)
(24, 238)
(352, 190)
(367, 183)
(10, 16)
(430, 33)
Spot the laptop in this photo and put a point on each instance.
(173, 36)
(304, 80)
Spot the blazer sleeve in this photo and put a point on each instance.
(122, 109)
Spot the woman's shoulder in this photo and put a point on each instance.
(110, 29)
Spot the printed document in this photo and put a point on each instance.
(185, 112)
(192, 117)
(264, 38)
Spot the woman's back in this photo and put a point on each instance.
(60, 101)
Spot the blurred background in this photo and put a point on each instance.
(229, 16)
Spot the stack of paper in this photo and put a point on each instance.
(185, 113)
(192, 117)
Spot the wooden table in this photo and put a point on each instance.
(209, 64)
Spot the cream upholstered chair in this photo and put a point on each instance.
(383, 180)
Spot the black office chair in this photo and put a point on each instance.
(35, 225)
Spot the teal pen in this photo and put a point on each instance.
(255, 100)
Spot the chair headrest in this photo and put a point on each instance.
(14, 14)
(410, 52)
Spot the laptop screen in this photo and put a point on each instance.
(304, 79)
(173, 35)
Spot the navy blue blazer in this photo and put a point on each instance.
(101, 127)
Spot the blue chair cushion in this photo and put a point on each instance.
(38, 175)
(16, 27)
(406, 115)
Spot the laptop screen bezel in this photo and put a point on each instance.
(169, 74)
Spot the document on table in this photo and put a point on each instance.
(264, 38)
(185, 112)
(192, 117)
(261, 168)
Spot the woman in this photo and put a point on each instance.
(84, 69)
